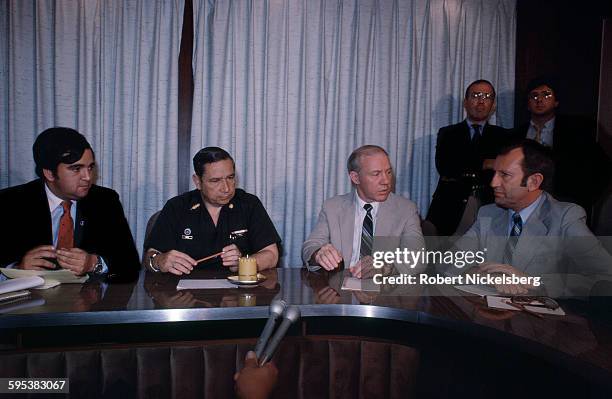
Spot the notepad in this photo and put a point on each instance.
(20, 284)
(51, 277)
(202, 284)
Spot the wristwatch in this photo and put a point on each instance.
(151, 264)
(98, 267)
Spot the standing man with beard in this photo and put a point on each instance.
(464, 157)
(348, 223)
(62, 219)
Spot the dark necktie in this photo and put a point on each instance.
(515, 232)
(367, 233)
(65, 235)
(477, 134)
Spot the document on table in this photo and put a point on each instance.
(203, 284)
(358, 284)
(500, 302)
(21, 283)
(51, 277)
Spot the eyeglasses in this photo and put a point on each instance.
(479, 95)
(542, 95)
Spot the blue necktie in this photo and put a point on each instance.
(515, 232)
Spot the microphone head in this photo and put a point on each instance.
(277, 307)
(293, 313)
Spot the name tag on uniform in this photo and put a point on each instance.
(187, 234)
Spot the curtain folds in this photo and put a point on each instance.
(291, 87)
(108, 68)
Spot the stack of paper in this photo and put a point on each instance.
(51, 277)
(18, 284)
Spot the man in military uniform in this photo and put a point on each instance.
(204, 222)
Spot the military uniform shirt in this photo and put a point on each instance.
(185, 225)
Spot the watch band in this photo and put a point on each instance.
(98, 267)
(151, 264)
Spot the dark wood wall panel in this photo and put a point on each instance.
(185, 100)
(560, 38)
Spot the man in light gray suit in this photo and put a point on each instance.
(348, 223)
(529, 233)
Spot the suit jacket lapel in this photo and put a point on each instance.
(467, 137)
(537, 226)
(496, 240)
(43, 215)
(384, 217)
(347, 225)
(80, 224)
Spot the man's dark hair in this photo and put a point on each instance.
(467, 91)
(58, 145)
(537, 159)
(209, 155)
(549, 81)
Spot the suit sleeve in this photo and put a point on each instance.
(586, 251)
(119, 253)
(319, 236)
(444, 164)
(412, 239)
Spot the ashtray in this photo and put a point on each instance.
(245, 281)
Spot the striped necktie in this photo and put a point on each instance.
(515, 232)
(367, 233)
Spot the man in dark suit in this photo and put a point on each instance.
(464, 158)
(64, 220)
(582, 169)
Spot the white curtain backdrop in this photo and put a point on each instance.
(108, 68)
(291, 87)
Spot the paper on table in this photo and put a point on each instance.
(480, 290)
(22, 283)
(500, 302)
(51, 277)
(358, 284)
(201, 284)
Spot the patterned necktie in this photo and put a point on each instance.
(367, 233)
(515, 232)
(65, 235)
(538, 133)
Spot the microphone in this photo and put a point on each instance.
(292, 314)
(277, 307)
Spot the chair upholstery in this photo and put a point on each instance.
(309, 367)
(149, 227)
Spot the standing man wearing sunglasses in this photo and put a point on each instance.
(582, 169)
(464, 158)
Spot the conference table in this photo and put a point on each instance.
(457, 335)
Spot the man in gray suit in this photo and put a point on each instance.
(529, 233)
(348, 223)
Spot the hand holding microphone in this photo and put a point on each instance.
(277, 308)
(290, 316)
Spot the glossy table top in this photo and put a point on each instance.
(154, 299)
